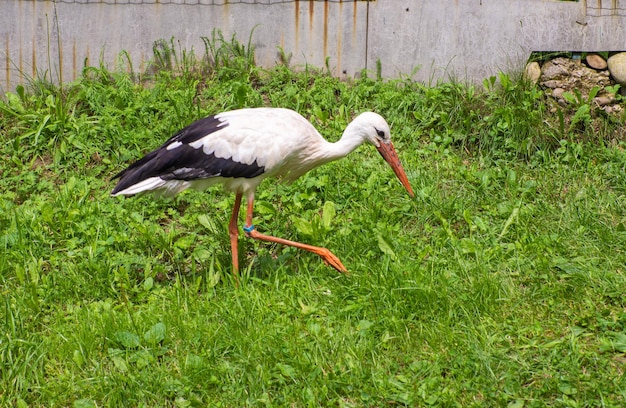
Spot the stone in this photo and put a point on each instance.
(532, 72)
(555, 69)
(617, 67)
(558, 92)
(596, 62)
(553, 83)
(604, 100)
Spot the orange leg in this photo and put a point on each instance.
(233, 231)
(328, 257)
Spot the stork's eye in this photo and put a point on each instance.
(380, 133)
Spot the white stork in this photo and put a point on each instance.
(240, 148)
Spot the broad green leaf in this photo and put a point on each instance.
(582, 115)
(148, 283)
(328, 214)
(302, 226)
(364, 326)
(120, 363)
(205, 222)
(264, 207)
(181, 402)
(185, 242)
(286, 370)
(385, 246)
(193, 361)
(15, 102)
(84, 403)
(569, 97)
(519, 403)
(467, 246)
(202, 254)
(127, 339)
(567, 388)
(78, 358)
(21, 403)
(155, 334)
(467, 216)
(142, 358)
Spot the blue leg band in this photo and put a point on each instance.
(248, 229)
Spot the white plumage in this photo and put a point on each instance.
(240, 148)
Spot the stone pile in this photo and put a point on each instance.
(562, 75)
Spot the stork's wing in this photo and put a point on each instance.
(188, 155)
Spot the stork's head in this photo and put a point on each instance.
(374, 129)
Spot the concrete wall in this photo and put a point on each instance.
(475, 39)
(470, 39)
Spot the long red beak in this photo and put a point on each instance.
(389, 154)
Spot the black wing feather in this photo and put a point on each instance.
(184, 162)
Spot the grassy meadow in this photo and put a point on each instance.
(502, 284)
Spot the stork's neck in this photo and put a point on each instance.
(351, 138)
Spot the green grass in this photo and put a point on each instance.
(501, 284)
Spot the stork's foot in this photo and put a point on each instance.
(330, 259)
